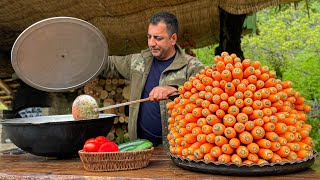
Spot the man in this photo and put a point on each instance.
(155, 73)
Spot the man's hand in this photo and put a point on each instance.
(161, 93)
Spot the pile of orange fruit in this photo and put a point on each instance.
(238, 112)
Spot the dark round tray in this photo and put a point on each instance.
(244, 170)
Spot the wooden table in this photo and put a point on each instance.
(27, 166)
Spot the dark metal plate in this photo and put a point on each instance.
(244, 170)
(55, 136)
(59, 54)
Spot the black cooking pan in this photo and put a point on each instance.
(57, 136)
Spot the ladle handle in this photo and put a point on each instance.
(123, 104)
(175, 93)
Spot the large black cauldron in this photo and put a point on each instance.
(55, 136)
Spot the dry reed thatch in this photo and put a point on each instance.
(249, 6)
(124, 22)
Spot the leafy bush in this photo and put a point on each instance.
(206, 54)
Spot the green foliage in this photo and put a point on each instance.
(305, 75)
(206, 54)
(283, 37)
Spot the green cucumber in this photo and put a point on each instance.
(128, 148)
(143, 146)
(132, 143)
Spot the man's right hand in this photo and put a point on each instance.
(162, 93)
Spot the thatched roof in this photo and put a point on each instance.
(249, 6)
(124, 22)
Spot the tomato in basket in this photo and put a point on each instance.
(91, 147)
(100, 144)
(101, 139)
(91, 140)
(108, 147)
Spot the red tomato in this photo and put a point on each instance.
(92, 140)
(101, 139)
(91, 147)
(108, 147)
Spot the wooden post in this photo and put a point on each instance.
(230, 33)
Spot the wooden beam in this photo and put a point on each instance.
(7, 102)
(6, 88)
(230, 33)
(5, 97)
(2, 92)
(13, 85)
(7, 79)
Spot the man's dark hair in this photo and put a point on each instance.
(169, 19)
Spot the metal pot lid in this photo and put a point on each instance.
(59, 54)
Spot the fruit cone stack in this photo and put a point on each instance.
(238, 112)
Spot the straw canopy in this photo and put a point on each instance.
(124, 23)
(249, 6)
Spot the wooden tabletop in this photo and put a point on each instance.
(27, 166)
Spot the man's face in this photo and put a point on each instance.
(160, 42)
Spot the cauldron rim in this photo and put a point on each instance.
(52, 119)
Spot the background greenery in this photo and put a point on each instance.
(288, 41)
(2, 106)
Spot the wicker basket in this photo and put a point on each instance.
(115, 161)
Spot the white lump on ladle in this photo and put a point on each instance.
(85, 107)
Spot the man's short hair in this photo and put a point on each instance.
(169, 19)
